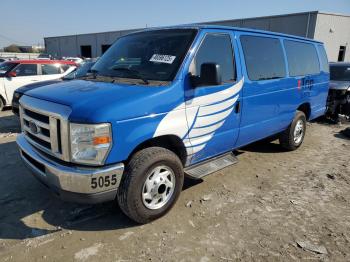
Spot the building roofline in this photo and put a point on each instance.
(335, 14)
(260, 17)
(97, 33)
(208, 22)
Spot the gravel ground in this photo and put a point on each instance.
(271, 206)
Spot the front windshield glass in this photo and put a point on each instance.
(152, 55)
(5, 67)
(340, 73)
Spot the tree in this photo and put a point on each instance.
(12, 48)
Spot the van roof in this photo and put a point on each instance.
(241, 29)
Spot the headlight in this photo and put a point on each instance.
(90, 144)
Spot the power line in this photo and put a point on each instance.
(13, 40)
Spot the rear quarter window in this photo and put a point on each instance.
(323, 59)
(302, 58)
(264, 57)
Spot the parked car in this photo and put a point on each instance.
(43, 56)
(162, 103)
(339, 92)
(17, 73)
(77, 60)
(78, 73)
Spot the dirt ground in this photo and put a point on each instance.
(271, 206)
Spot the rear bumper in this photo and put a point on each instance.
(72, 183)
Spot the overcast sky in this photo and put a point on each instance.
(27, 22)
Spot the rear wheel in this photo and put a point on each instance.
(293, 136)
(151, 184)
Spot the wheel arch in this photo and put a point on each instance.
(170, 142)
(306, 109)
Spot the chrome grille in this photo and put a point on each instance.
(44, 128)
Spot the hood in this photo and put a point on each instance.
(26, 88)
(339, 85)
(94, 102)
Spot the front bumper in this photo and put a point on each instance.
(69, 182)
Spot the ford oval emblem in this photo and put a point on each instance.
(33, 127)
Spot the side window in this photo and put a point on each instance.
(302, 58)
(50, 69)
(323, 59)
(26, 70)
(264, 57)
(215, 48)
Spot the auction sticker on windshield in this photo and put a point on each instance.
(168, 59)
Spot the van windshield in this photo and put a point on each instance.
(151, 55)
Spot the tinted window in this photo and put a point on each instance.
(215, 48)
(340, 73)
(302, 58)
(26, 70)
(50, 69)
(323, 59)
(263, 57)
(153, 55)
(6, 67)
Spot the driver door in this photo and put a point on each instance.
(213, 111)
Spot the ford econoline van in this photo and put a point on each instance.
(164, 103)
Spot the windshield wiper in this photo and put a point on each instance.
(269, 78)
(133, 73)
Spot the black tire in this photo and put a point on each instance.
(132, 185)
(287, 138)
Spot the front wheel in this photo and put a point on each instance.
(151, 184)
(292, 138)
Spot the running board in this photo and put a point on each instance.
(210, 166)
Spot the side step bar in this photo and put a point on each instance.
(210, 166)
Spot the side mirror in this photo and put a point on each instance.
(11, 74)
(210, 75)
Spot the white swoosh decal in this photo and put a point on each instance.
(204, 114)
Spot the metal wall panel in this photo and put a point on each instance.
(293, 25)
(334, 31)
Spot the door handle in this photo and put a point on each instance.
(238, 107)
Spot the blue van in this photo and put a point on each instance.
(162, 103)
